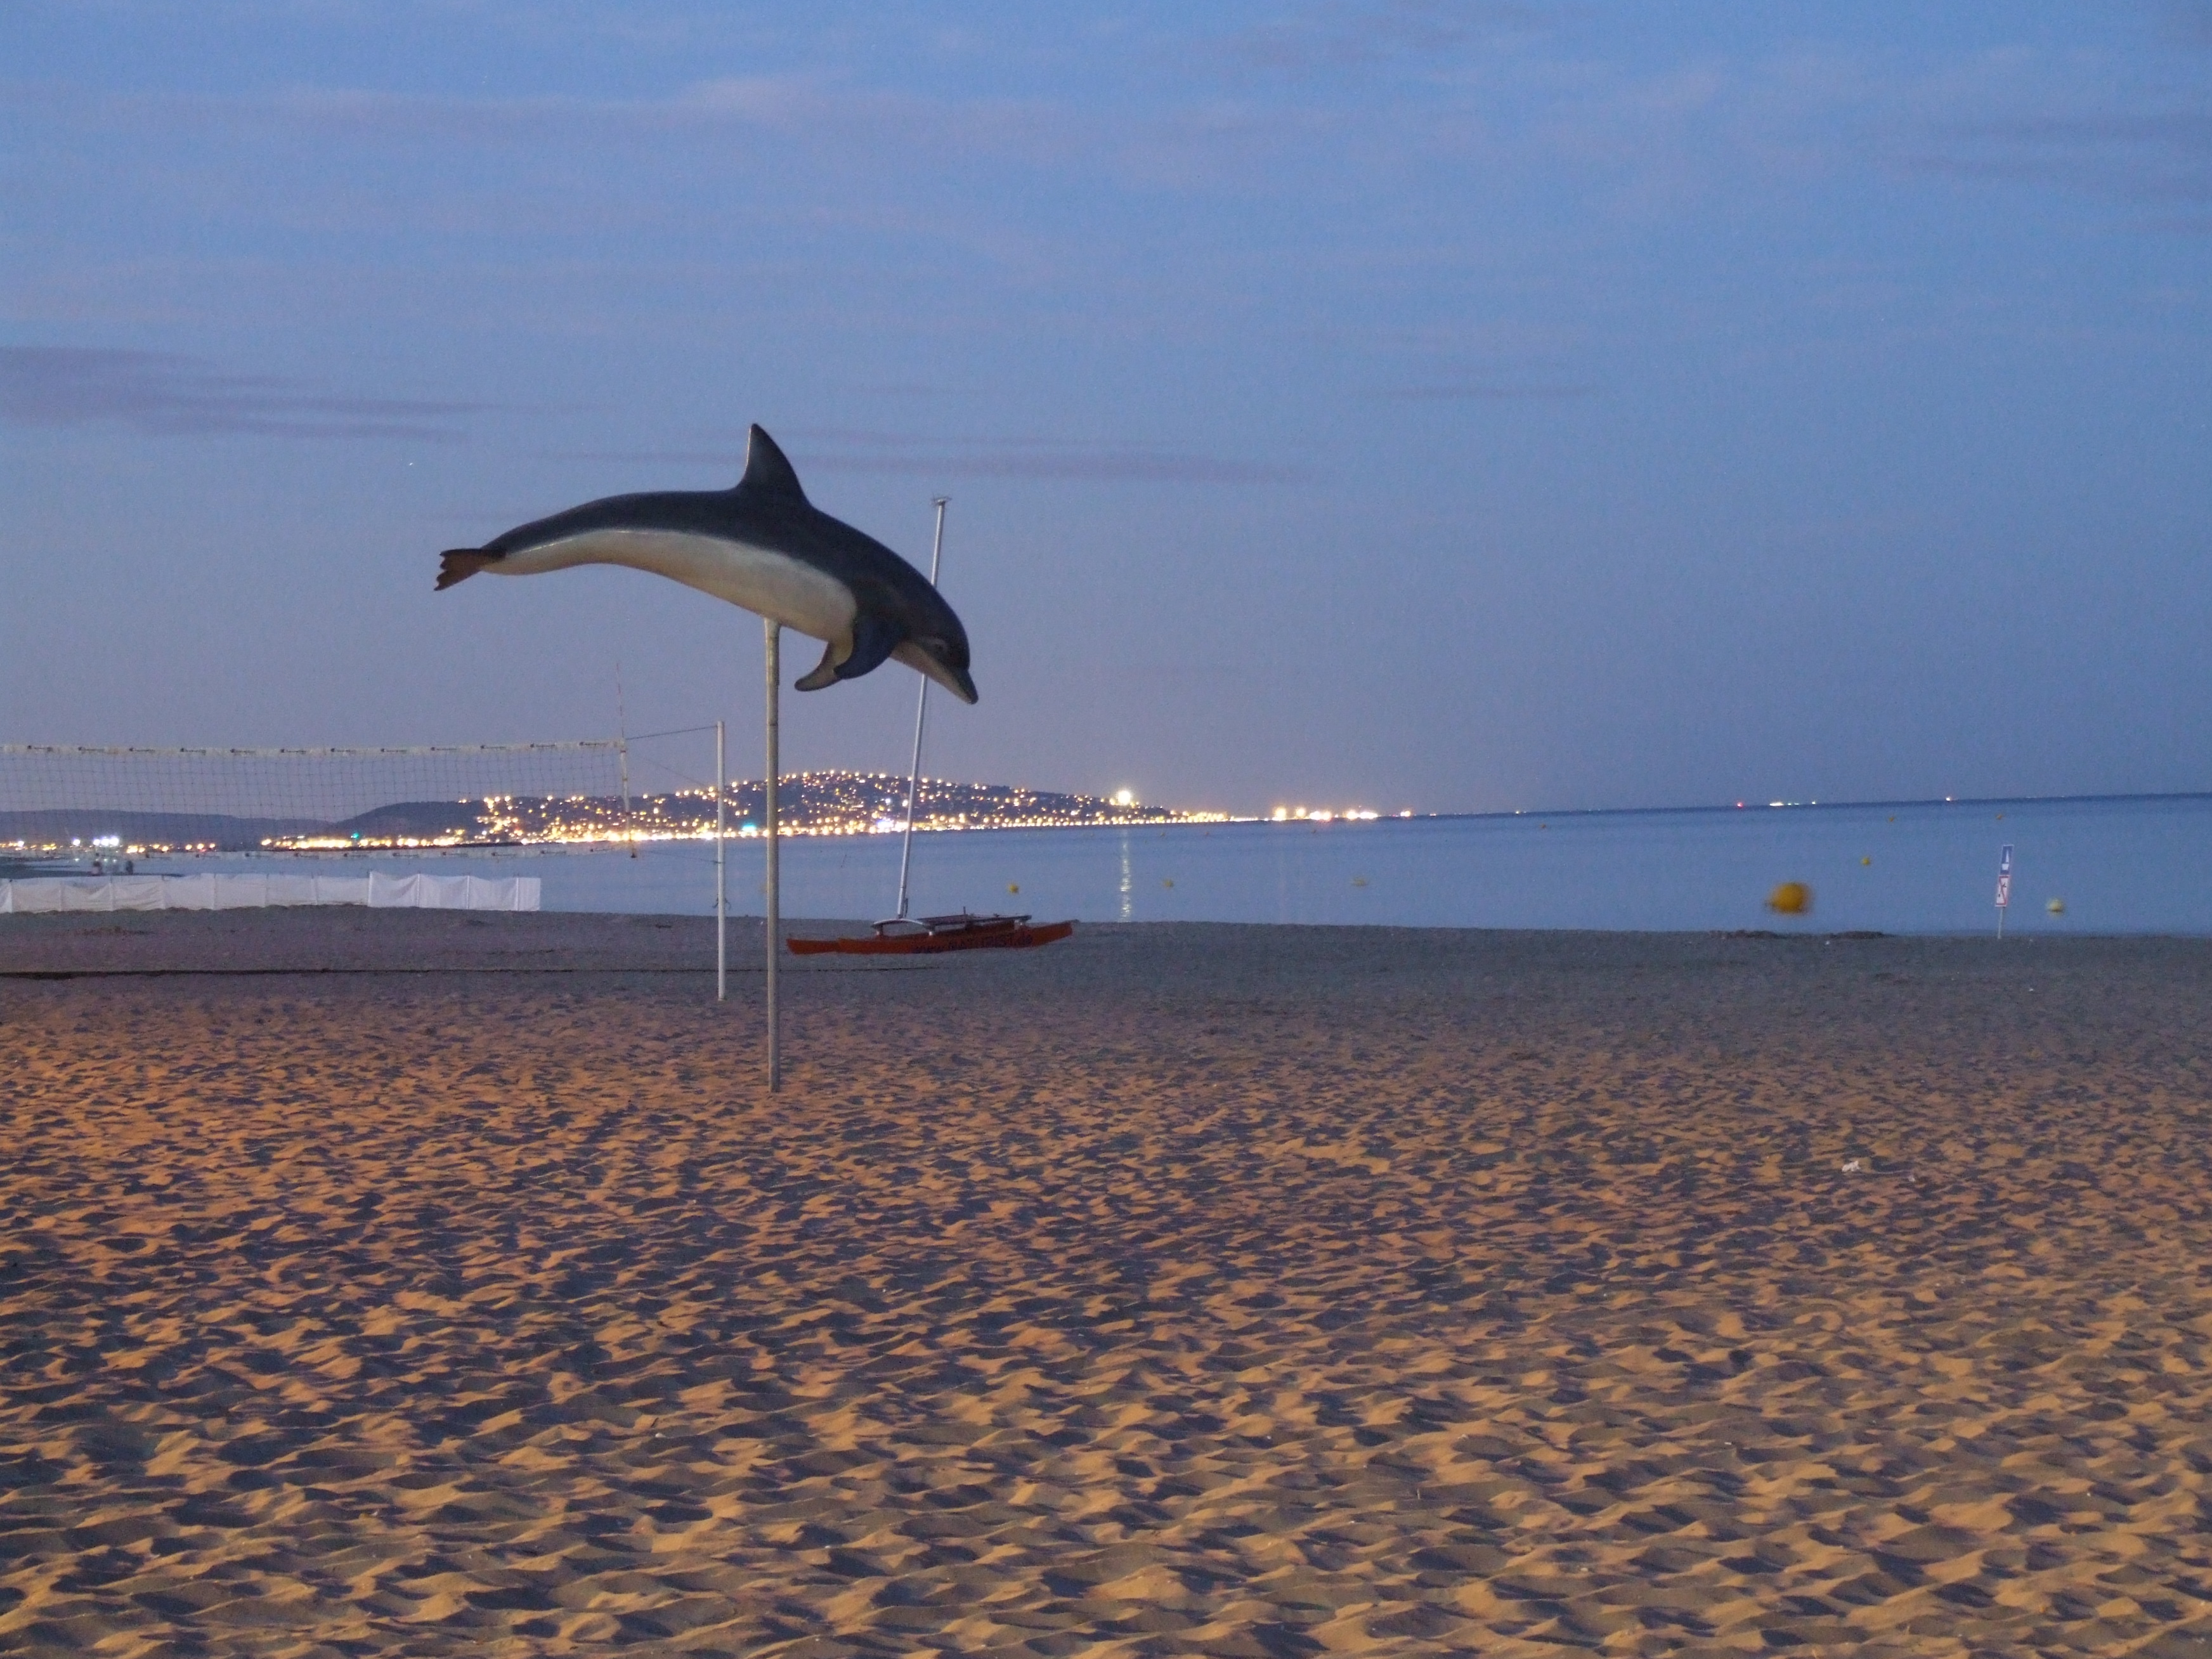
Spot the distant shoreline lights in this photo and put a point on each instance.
(1326, 815)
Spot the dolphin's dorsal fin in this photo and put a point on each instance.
(767, 472)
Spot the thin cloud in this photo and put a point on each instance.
(1340, 35)
(847, 450)
(1134, 464)
(2190, 21)
(850, 450)
(165, 395)
(2160, 157)
(826, 119)
(824, 111)
(1478, 390)
(919, 389)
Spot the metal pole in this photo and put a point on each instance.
(921, 709)
(722, 880)
(775, 876)
(622, 743)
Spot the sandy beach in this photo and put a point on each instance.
(1179, 1289)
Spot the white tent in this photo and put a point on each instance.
(39, 895)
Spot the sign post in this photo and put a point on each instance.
(721, 881)
(920, 708)
(2004, 886)
(775, 919)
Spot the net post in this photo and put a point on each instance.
(721, 881)
(775, 636)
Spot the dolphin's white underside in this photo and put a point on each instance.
(775, 584)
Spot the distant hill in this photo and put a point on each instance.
(59, 826)
(809, 803)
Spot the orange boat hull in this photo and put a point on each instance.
(925, 944)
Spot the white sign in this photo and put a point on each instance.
(2004, 877)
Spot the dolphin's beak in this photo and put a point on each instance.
(954, 680)
(921, 656)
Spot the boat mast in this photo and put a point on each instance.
(920, 710)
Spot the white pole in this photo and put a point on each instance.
(920, 708)
(721, 881)
(622, 746)
(774, 877)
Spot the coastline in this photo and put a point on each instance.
(348, 939)
(1181, 1288)
(2110, 869)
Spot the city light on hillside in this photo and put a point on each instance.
(815, 804)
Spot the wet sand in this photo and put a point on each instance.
(1174, 1289)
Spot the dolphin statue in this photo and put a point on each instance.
(763, 546)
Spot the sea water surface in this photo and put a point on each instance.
(2111, 864)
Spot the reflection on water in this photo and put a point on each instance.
(2116, 865)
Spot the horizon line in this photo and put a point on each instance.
(1823, 805)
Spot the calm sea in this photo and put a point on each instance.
(2131, 864)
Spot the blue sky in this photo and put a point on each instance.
(1445, 406)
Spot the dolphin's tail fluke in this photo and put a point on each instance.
(458, 564)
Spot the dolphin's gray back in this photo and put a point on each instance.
(880, 580)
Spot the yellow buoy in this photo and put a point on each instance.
(1866, 860)
(2056, 907)
(1792, 898)
(1013, 887)
(1164, 882)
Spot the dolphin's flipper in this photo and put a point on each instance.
(824, 674)
(766, 471)
(873, 642)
